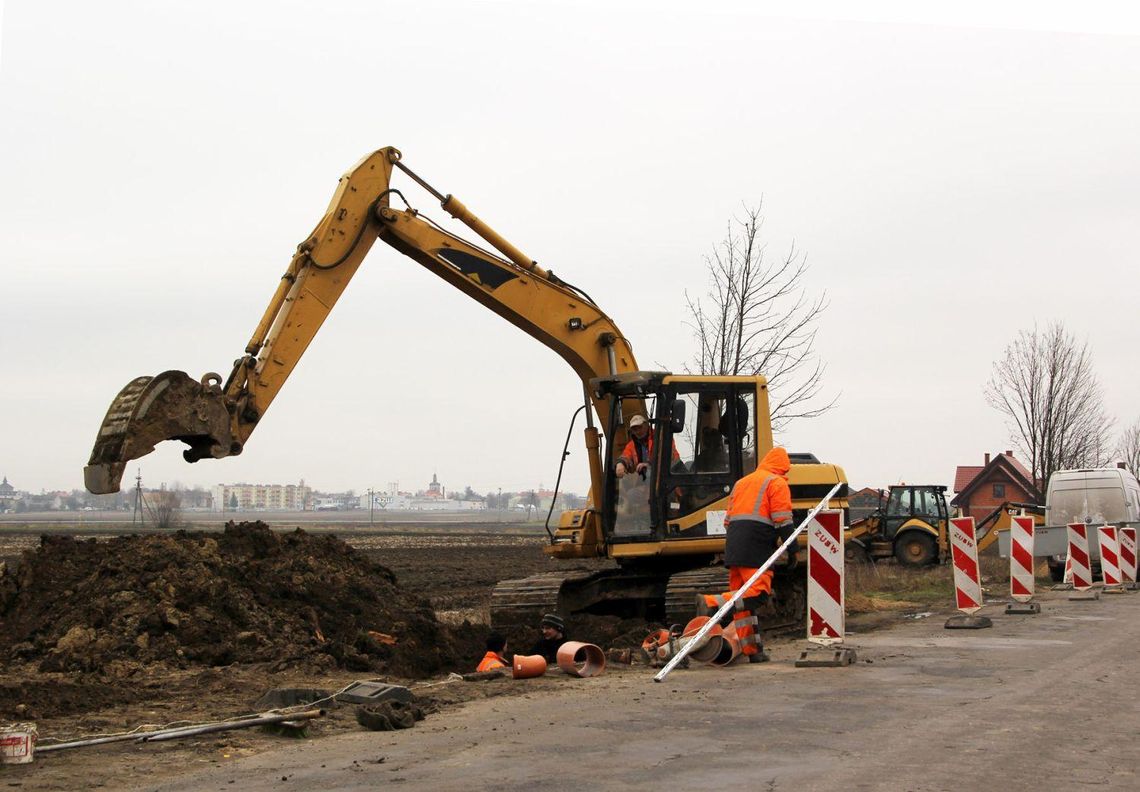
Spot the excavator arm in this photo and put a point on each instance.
(216, 419)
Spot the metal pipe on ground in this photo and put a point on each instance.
(731, 603)
(184, 731)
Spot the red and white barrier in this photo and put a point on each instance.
(967, 580)
(1021, 583)
(825, 578)
(1128, 554)
(1109, 555)
(1079, 563)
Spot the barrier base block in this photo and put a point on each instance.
(1119, 589)
(1132, 587)
(964, 622)
(826, 657)
(1022, 608)
(1084, 595)
(1061, 587)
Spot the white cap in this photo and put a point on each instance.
(637, 420)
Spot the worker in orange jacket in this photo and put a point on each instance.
(758, 519)
(638, 452)
(496, 645)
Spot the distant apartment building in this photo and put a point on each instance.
(262, 497)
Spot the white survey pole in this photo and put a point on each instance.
(731, 603)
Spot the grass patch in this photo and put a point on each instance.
(879, 587)
(888, 586)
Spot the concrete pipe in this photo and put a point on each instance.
(528, 666)
(581, 659)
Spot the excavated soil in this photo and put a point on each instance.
(193, 599)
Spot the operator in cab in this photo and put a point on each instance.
(758, 519)
(638, 452)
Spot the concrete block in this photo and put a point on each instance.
(826, 657)
(964, 622)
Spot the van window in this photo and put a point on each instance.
(1101, 505)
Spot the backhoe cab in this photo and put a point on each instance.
(911, 524)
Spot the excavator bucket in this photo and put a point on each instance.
(170, 406)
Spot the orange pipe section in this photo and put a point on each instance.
(528, 666)
(581, 659)
(730, 649)
(712, 645)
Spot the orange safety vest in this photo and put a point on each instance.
(763, 495)
(491, 661)
(632, 459)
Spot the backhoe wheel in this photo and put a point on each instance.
(915, 549)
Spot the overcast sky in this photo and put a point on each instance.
(954, 175)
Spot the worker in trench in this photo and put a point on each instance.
(494, 658)
(553, 636)
(758, 520)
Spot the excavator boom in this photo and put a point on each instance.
(215, 419)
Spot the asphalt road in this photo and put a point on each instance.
(1036, 702)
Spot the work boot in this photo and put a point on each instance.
(759, 657)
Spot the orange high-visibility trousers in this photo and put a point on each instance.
(744, 619)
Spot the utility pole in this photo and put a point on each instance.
(137, 514)
(371, 503)
(499, 501)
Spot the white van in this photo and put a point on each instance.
(1096, 496)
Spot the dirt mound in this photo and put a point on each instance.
(247, 595)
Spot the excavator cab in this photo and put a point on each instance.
(703, 438)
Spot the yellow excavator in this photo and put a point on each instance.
(665, 529)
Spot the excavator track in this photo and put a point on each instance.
(785, 611)
(520, 604)
(656, 596)
(681, 592)
(524, 601)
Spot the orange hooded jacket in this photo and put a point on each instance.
(764, 495)
(490, 662)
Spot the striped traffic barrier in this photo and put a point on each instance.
(825, 600)
(967, 577)
(1107, 536)
(1021, 579)
(1128, 557)
(1079, 563)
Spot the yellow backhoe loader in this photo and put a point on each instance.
(665, 531)
(912, 524)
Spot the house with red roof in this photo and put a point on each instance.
(979, 489)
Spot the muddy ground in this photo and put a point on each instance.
(452, 569)
(77, 694)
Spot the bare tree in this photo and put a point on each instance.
(1045, 387)
(758, 318)
(1129, 447)
(165, 508)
